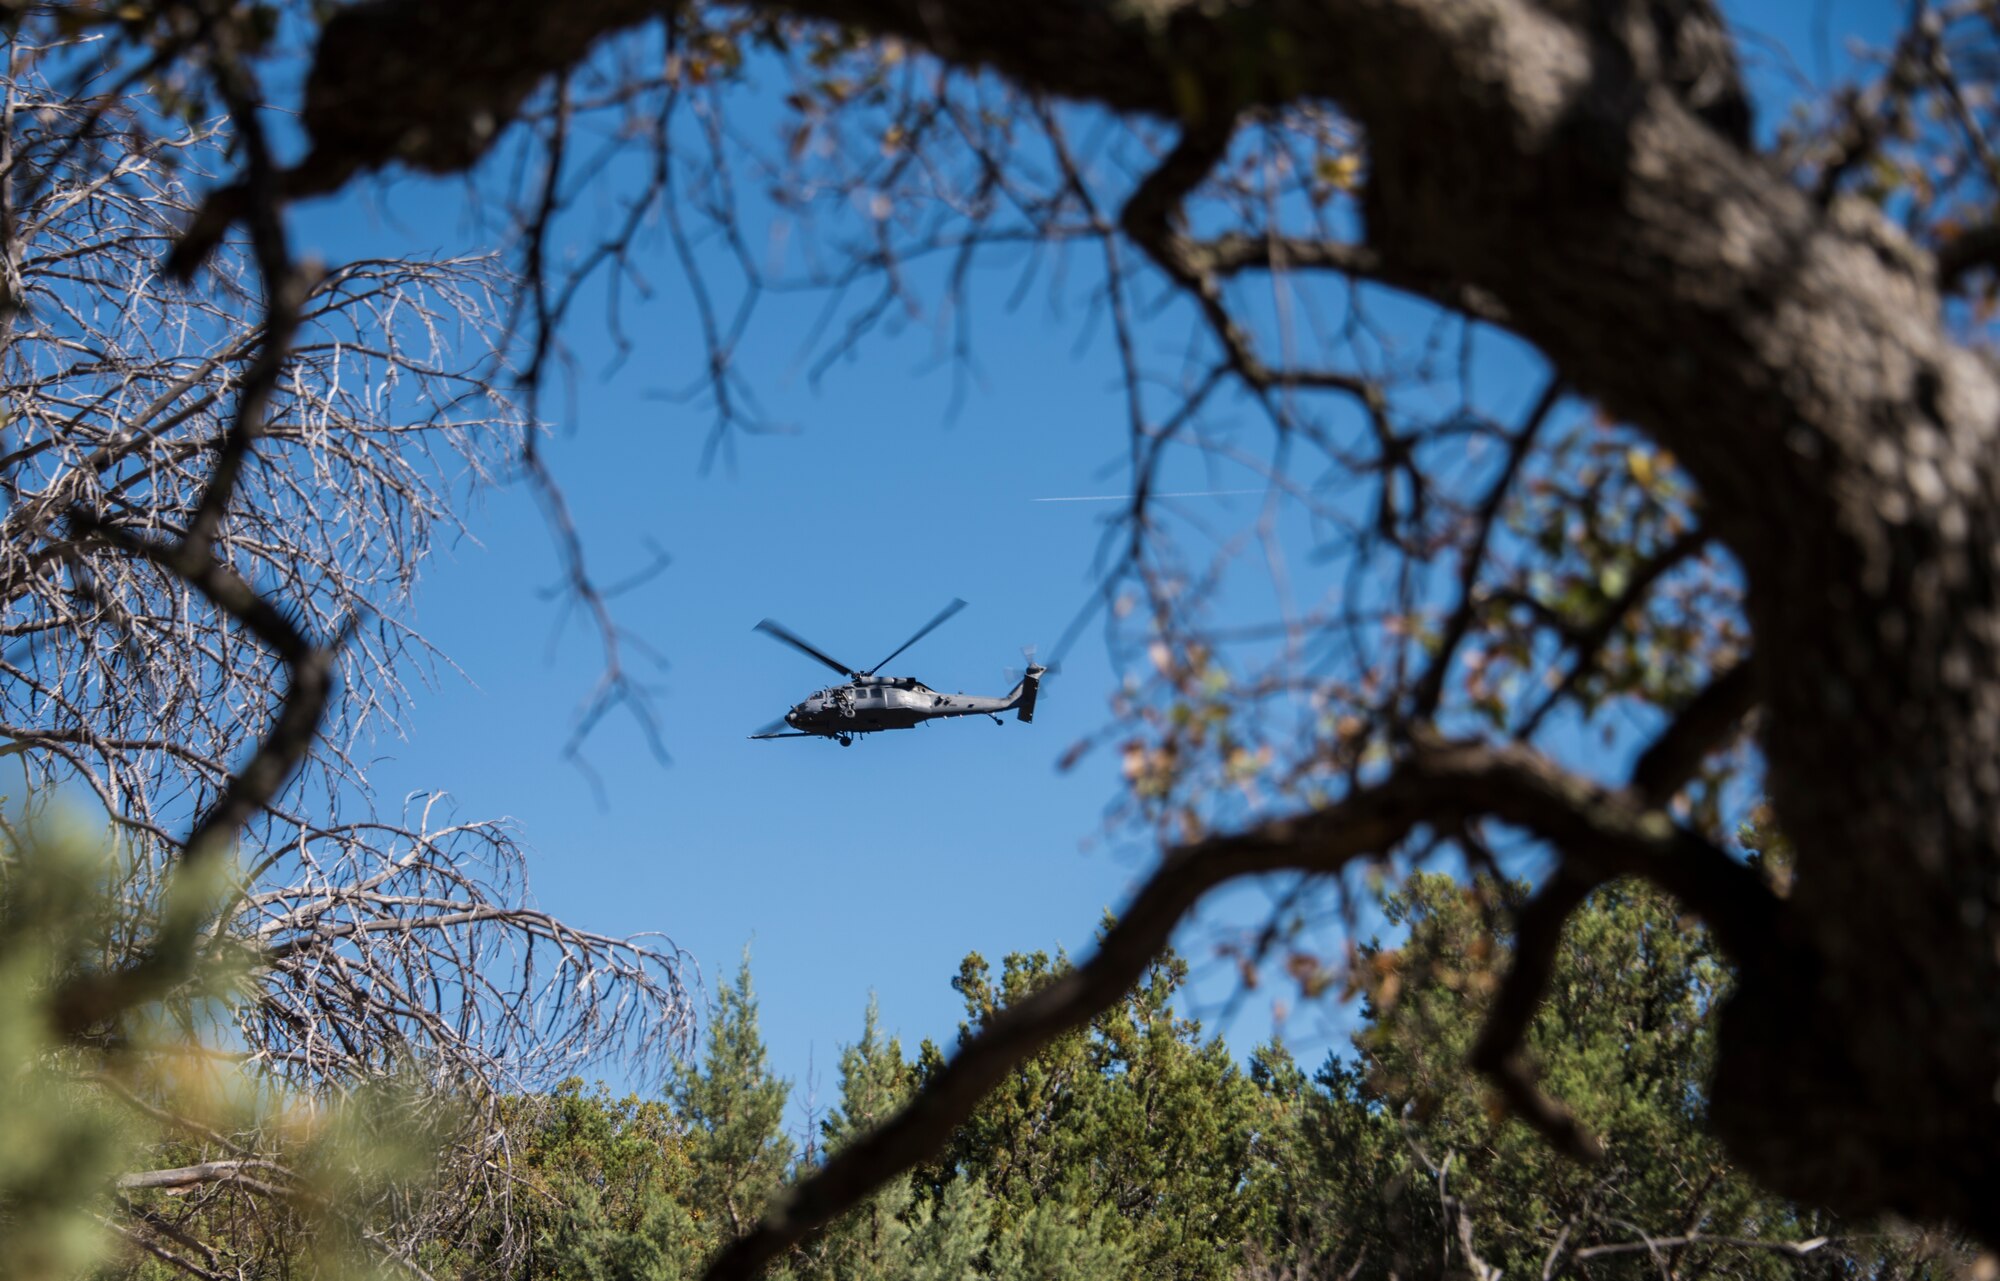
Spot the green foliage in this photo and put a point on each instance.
(734, 1110)
(878, 1240)
(606, 1189)
(62, 1144)
(1402, 1162)
(874, 1082)
(949, 1233)
(1057, 1240)
(1621, 1040)
(646, 1189)
(127, 1142)
(1135, 1147)
(1129, 1140)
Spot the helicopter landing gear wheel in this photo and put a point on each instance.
(847, 740)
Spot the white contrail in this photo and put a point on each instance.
(1126, 498)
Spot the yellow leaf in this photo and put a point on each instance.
(1341, 172)
(1641, 464)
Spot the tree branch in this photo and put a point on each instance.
(1967, 252)
(1872, 116)
(1589, 643)
(1702, 726)
(188, 1176)
(1150, 218)
(88, 1001)
(1233, 253)
(144, 1242)
(257, 782)
(1430, 686)
(1797, 1249)
(1497, 1054)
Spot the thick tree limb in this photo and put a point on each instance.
(1537, 936)
(1703, 725)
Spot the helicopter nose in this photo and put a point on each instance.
(792, 718)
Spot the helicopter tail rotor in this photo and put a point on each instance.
(1028, 684)
(1026, 692)
(1052, 670)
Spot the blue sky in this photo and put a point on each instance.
(845, 871)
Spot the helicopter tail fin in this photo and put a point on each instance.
(1024, 693)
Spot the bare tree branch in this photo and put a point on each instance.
(1472, 561)
(1797, 1249)
(188, 1176)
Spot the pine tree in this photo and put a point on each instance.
(1134, 1148)
(948, 1235)
(733, 1109)
(874, 1242)
(874, 1082)
(1129, 1140)
(1172, 1121)
(1055, 1240)
(603, 1189)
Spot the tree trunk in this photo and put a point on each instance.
(1796, 361)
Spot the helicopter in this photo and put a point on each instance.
(867, 702)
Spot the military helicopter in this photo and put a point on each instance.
(867, 702)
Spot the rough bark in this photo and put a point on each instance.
(1793, 356)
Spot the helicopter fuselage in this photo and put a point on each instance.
(885, 702)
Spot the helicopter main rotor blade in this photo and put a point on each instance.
(927, 629)
(774, 628)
